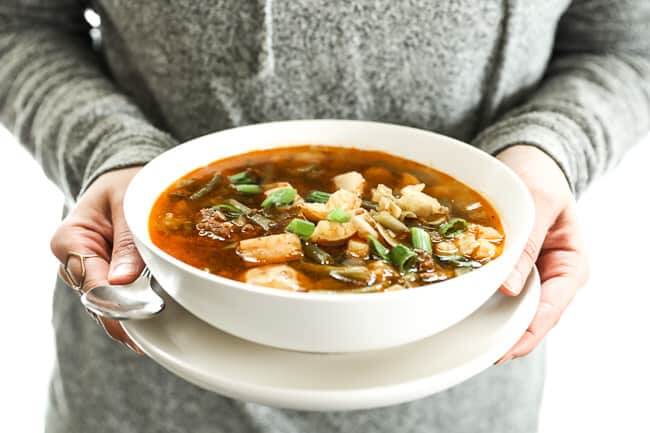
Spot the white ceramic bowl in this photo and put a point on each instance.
(330, 322)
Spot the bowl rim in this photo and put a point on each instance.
(328, 297)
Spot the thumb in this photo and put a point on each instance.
(126, 263)
(515, 281)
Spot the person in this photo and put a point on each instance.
(558, 90)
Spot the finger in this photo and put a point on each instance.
(517, 278)
(88, 242)
(73, 238)
(96, 272)
(115, 330)
(557, 293)
(126, 263)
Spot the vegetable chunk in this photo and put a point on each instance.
(265, 250)
(351, 181)
(422, 205)
(358, 248)
(314, 211)
(345, 200)
(333, 233)
(276, 276)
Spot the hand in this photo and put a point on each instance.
(97, 227)
(555, 244)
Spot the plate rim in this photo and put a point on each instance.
(350, 398)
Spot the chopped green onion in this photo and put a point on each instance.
(248, 188)
(378, 248)
(280, 197)
(402, 257)
(338, 215)
(420, 239)
(229, 210)
(459, 261)
(318, 197)
(302, 228)
(316, 254)
(243, 177)
(452, 227)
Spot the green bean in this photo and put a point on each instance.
(261, 220)
(316, 254)
(378, 248)
(238, 205)
(459, 261)
(207, 188)
(390, 222)
(353, 274)
(257, 218)
(326, 270)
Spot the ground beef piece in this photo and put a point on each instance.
(248, 229)
(425, 262)
(214, 225)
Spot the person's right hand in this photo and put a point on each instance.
(97, 227)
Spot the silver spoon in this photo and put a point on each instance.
(137, 300)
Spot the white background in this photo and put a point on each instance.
(598, 359)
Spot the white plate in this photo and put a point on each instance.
(243, 370)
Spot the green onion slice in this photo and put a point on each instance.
(241, 178)
(378, 248)
(248, 188)
(318, 197)
(302, 228)
(280, 197)
(403, 257)
(452, 227)
(338, 215)
(420, 239)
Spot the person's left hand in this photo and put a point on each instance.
(555, 244)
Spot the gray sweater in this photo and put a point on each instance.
(572, 78)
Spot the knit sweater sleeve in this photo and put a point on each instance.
(58, 99)
(594, 102)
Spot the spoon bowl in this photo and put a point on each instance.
(135, 301)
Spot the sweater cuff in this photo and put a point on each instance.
(552, 133)
(129, 151)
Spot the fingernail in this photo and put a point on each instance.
(515, 282)
(123, 270)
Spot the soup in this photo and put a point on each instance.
(326, 219)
